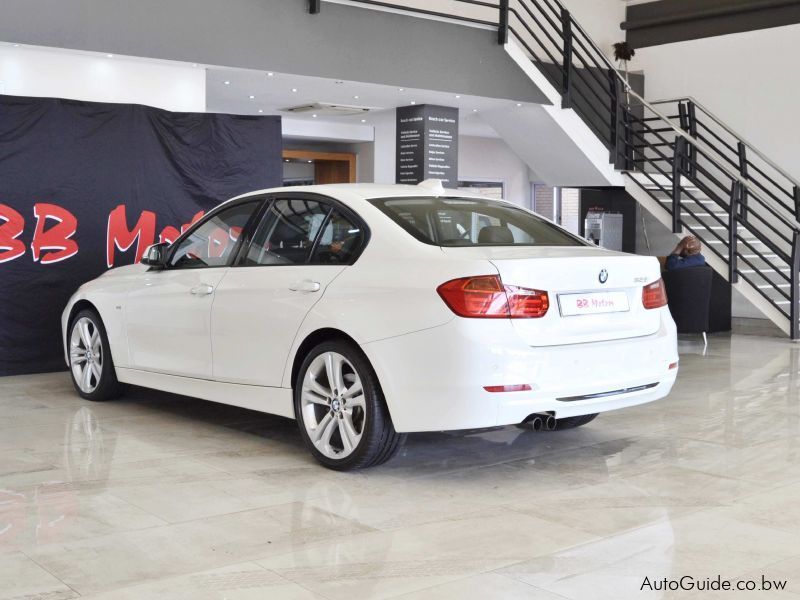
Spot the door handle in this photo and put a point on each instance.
(306, 285)
(202, 290)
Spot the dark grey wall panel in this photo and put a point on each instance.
(654, 23)
(342, 42)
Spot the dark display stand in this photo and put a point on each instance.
(427, 144)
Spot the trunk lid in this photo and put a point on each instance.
(571, 275)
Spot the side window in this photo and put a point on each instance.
(212, 243)
(286, 233)
(339, 241)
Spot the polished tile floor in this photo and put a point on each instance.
(158, 496)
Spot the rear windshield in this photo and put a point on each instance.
(472, 222)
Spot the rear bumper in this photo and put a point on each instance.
(434, 379)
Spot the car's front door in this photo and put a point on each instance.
(301, 244)
(168, 312)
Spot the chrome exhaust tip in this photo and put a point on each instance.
(536, 423)
(549, 423)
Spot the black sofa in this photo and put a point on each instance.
(699, 299)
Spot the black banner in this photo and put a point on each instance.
(86, 186)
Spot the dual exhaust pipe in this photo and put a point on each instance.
(541, 422)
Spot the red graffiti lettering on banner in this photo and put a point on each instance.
(53, 244)
(120, 237)
(12, 224)
(55, 227)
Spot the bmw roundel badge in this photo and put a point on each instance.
(603, 277)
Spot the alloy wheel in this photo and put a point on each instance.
(333, 405)
(86, 354)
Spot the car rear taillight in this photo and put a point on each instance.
(486, 297)
(654, 295)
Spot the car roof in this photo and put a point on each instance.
(366, 191)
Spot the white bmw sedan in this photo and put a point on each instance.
(367, 311)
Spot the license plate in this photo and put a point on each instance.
(593, 303)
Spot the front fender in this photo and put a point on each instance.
(106, 295)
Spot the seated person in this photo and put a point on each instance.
(339, 250)
(686, 254)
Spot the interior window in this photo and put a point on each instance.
(213, 242)
(286, 233)
(339, 241)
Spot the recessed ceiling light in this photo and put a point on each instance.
(16, 45)
(109, 56)
(311, 161)
(252, 97)
(314, 116)
(270, 74)
(401, 89)
(355, 97)
(285, 160)
(413, 102)
(457, 96)
(194, 64)
(294, 89)
(519, 103)
(363, 120)
(261, 110)
(226, 82)
(474, 110)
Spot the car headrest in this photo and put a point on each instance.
(495, 234)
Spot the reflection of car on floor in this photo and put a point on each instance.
(368, 311)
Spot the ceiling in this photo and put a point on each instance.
(245, 91)
(241, 91)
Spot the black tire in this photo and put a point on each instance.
(379, 440)
(108, 387)
(573, 422)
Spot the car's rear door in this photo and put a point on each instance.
(301, 244)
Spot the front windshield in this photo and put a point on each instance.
(472, 222)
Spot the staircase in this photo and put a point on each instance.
(683, 164)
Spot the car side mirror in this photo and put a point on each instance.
(156, 256)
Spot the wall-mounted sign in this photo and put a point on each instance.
(427, 144)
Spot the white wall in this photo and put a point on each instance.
(748, 79)
(383, 158)
(490, 159)
(95, 77)
(601, 20)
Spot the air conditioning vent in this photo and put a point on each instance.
(322, 108)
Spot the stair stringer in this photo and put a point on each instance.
(567, 119)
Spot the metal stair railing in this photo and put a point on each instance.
(710, 199)
(711, 181)
(755, 166)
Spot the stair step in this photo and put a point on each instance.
(782, 269)
(741, 239)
